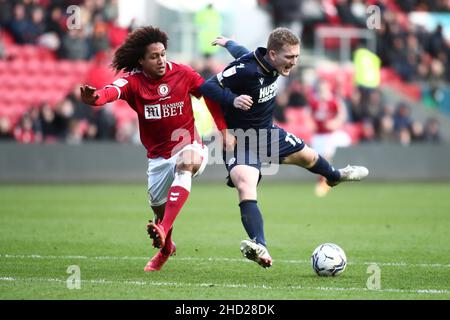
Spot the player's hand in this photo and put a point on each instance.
(88, 94)
(220, 41)
(229, 140)
(243, 102)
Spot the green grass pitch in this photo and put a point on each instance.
(402, 227)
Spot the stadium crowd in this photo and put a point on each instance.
(410, 50)
(414, 52)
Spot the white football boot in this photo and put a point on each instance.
(256, 252)
(350, 173)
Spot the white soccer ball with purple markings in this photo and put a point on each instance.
(329, 260)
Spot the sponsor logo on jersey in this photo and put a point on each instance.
(163, 90)
(261, 81)
(268, 92)
(159, 111)
(120, 82)
(152, 111)
(229, 72)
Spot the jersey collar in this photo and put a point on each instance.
(259, 54)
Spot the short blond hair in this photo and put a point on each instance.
(281, 36)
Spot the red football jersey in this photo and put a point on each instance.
(164, 108)
(322, 111)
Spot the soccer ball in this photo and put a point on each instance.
(328, 260)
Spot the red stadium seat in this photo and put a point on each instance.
(48, 67)
(43, 53)
(80, 67)
(53, 96)
(4, 68)
(17, 66)
(13, 51)
(7, 96)
(7, 81)
(6, 38)
(27, 52)
(32, 66)
(64, 67)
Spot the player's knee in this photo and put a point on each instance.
(307, 157)
(312, 159)
(188, 161)
(245, 188)
(187, 166)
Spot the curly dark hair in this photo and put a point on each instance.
(128, 54)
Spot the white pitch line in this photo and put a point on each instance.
(223, 285)
(214, 259)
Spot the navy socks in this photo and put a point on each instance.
(324, 168)
(252, 220)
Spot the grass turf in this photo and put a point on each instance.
(404, 228)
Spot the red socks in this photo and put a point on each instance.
(177, 196)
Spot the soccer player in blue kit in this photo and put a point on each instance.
(246, 90)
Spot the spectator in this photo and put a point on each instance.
(385, 125)
(417, 131)
(75, 45)
(99, 41)
(329, 114)
(287, 13)
(431, 131)
(63, 114)
(3, 53)
(55, 22)
(20, 25)
(37, 24)
(402, 117)
(6, 7)
(5, 129)
(111, 10)
(208, 23)
(49, 128)
(24, 133)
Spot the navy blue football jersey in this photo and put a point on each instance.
(252, 75)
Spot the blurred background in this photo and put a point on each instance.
(386, 62)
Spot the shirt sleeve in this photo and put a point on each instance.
(123, 87)
(235, 49)
(235, 77)
(213, 90)
(196, 81)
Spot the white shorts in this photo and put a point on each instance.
(161, 173)
(326, 144)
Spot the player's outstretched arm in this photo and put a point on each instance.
(94, 97)
(234, 48)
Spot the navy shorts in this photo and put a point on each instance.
(264, 146)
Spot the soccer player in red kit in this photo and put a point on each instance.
(329, 114)
(160, 93)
